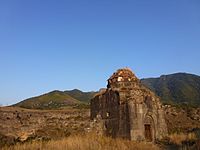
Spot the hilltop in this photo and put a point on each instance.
(180, 88)
(80, 95)
(54, 99)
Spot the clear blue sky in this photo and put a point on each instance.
(65, 44)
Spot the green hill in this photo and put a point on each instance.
(176, 88)
(180, 88)
(82, 96)
(54, 99)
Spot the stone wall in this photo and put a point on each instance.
(128, 109)
(115, 116)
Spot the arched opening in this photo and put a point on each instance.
(148, 132)
(149, 128)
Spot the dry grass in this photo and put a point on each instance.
(181, 137)
(85, 142)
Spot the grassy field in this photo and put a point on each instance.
(93, 141)
(64, 129)
(88, 141)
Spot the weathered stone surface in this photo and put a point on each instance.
(128, 109)
(20, 125)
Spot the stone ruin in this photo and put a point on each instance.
(128, 109)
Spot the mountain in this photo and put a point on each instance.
(176, 88)
(54, 99)
(81, 96)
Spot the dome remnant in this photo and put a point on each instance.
(128, 109)
(122, 75)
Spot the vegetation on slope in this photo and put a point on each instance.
(179, 88)
(176, 88)
(54, 99)
(81, 96)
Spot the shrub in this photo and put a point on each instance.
(179, 138)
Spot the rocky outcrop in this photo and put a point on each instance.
(20, 125)
(128, 109)
(182, 118)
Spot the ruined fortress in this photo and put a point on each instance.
(128, 109)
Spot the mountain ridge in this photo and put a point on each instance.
(53, 99)
(176, 88)
(80, 95)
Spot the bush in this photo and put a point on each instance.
(179, 138)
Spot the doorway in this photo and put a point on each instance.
(148, 132)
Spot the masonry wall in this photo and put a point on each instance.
(115, 115)
(129, 110)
